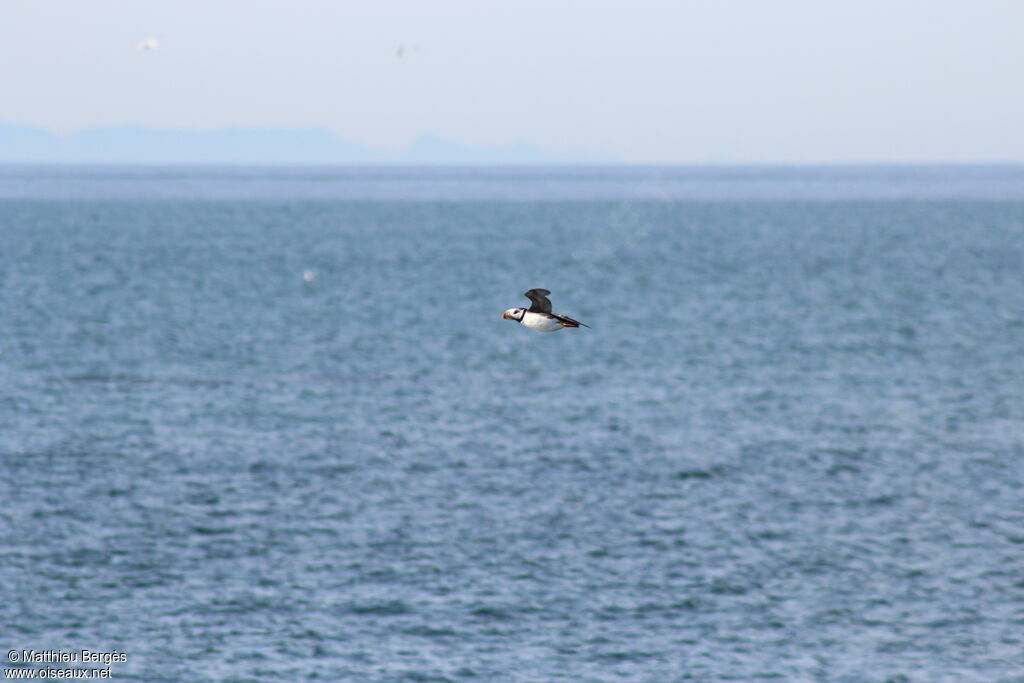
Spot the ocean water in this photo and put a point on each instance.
(268, 424)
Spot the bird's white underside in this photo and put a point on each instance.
(541, 323)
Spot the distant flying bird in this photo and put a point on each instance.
(540, 317)
(413, 48)
(148, 44)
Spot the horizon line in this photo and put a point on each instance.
(384, 164)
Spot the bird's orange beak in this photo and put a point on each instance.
(504, 316)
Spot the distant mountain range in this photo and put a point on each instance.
(244, 145)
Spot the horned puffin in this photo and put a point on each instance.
(539, 316)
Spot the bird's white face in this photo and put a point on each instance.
(514, 314)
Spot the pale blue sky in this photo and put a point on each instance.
(665, 82)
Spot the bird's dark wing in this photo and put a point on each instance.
(539, 297)
(566, 320)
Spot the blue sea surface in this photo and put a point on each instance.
(268, 424)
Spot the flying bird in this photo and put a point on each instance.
(148, 44)
(539, 316)
(403, 48)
